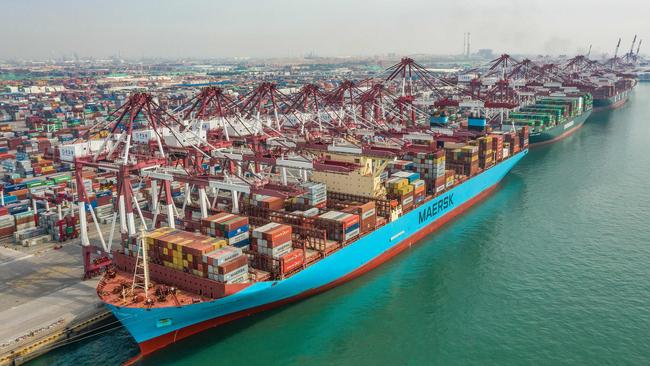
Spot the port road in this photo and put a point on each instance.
(42, 290)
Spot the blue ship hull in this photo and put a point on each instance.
(157, 327)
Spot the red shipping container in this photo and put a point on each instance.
(273, 203)
(278, 235)
(291, 261)
(407, 201)
(7, 231)
(349, 221)
(232, 265)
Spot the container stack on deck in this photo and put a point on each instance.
(400, 190)
(196, 254)
(273, 240)
(431, 166)
(316, 195)
(345, 225)
(463, 159)
(264, 201)
(486, 156)
(272, 249)
(227, 265)
(548, 112)
(232, 228)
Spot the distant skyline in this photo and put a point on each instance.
(40, 29)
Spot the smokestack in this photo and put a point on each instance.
(464, 43)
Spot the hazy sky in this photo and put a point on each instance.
(218, 28)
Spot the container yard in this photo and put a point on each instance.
(167, 199)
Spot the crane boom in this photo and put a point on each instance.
(617, 46)
(632, 47)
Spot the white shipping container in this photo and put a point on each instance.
(222, 255)
(243, 278)
(237, 238)
(352, 234)
(229, 276)
(257, 233)
(280, 250)
(311, 212)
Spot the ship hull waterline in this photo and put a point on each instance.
(558, 133)
(344, 265)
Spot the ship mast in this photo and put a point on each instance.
(141, 280)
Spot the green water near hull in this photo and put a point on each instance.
(553, 268)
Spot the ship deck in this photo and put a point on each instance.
(110, 291)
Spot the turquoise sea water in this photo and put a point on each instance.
(551, 269)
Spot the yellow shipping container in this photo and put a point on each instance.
(185, 263)
(405, 189)
(159, 232)
(189, 258)
(401, 183)
(470, 149)
(165, 252)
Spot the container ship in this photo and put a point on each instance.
(554, 117)
(360, 207)
(612, 92)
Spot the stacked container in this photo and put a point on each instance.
(398, 165)
(272, 240)
(497, 146)
(232, 228)
(485, 152)
(316, 195)
(7, 225)
(267, 202)
(346, 225)
(400, 189)
(409, 176)
(419, 191)
(292, 261)
(227, 265)
(367, 216)
(523, 137)
(431, 166)
(450, 178)
(512, 140)
(180, 250)
(463, 160)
